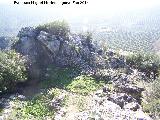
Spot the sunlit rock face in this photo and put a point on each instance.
(43, 49)
(67, 52)
(34, 52)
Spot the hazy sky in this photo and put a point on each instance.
(96, 8)
(107, 7)
(94, 5)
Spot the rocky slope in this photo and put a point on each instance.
(119, 98)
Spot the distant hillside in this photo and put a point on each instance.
(156, 45)
(129, 40)
(6, 42)
(134, 30)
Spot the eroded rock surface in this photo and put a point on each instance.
(104, 107)
(42, 49)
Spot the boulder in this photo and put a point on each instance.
(37, 56)
(130, 89)
(121, 99)
(132, 106)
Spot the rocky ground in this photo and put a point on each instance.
(120, 99)
(110, 102)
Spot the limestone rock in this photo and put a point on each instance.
(121, 99)
(72, 50)
(132, 106)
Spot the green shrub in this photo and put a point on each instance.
(153, 99)
(58, 77)
(12, 70)
(58, 28)
(149, 63)
(37, 107)
(81, 103)
(84, 85)
(63, 78)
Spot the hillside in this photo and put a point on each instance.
(130, 30)
(52, 73)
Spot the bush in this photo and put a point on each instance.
(71, 80)
(12, 70)
(148, 63)
(58, 28)
(84, 85)
(153, 99)
(36, 107)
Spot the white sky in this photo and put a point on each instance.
(107, 7)
(97, 8)
(101, 4)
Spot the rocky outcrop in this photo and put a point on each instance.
(43, 49)
(114, 106)
(36, 55)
